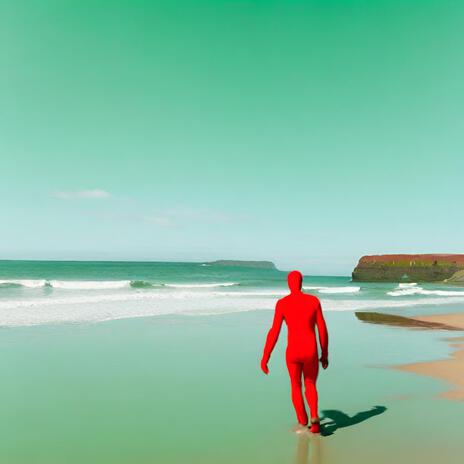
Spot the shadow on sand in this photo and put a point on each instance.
(339, 419)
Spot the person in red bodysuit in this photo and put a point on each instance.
(302, 313)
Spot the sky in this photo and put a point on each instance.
(307, 132)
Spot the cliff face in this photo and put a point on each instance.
(457, 278)
(408, 268)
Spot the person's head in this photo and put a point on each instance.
(295, 279)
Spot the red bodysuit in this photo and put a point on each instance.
(302, 313)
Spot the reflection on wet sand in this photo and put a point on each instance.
(308, 450)
(309, 446)
(402, 321)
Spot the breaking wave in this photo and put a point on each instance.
(334, 289)
(89, 284)
(103, 284)
(129, 303)
(223, 284)
(67, 284)
(414, 289)
(29, 283)
(67, 301)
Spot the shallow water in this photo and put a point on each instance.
(178, 389)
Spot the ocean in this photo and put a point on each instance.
(51, 292)
(86, 378)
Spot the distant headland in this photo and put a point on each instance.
(239, 263)
(411, 268)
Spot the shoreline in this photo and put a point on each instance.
(449, 370)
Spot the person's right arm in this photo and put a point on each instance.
(323, 336)
(272, 337)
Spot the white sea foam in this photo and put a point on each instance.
(406, 289)
(442, 292)
(30, 283)
(334, 289)
(418, 290)
(403, 292)
(89, 284)
(128, 303)
(222, 284)
(69, 284)
(105, 284)
(254, 293)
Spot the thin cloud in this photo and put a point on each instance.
(162, 221)
(96, 194)
(186, 217)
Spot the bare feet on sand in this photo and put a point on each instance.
(300, 428)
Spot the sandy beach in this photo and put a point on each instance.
(450, 369)
(453, 320)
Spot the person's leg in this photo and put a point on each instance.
(310, 371)
(294, 371)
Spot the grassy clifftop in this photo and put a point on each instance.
(457, 278)
(408, 268)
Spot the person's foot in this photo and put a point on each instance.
(315, 426)
(300, 428)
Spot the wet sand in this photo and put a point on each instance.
(179, 389)
(451, 369)
(436, 322)
(453, 320)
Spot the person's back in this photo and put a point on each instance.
(299, 312)
(302, 313)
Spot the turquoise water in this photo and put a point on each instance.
(176, 389)
(34, 292)
(177, 378)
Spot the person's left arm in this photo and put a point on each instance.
(323, 336)
(272, 337)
